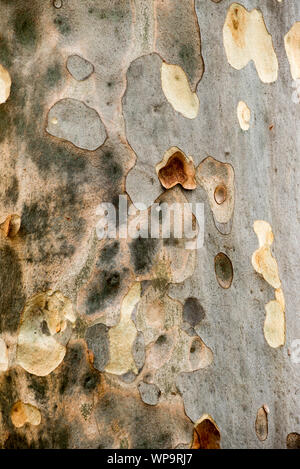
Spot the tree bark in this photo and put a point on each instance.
(140, 342)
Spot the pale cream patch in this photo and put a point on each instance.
(244, 115)
(246, 38)
(262, 259)
(5, 84)
(274, 327)
(266, 265)
(122, 336)
(280, 298)
(292, 47)
(176, 88)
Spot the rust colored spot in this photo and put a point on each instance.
(206, 434)
(238, 23)
(176, 168)
(220, 194)
(223, 270)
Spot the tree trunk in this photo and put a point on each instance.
(118, 338)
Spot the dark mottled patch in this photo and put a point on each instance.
(97, 341)
(6, 121)
(39, 385)
(34, 220)
(12, 191)
(188, 58)
(112, 169)
(108, 253)
(25, 28)
(17, 441)
(193, 312)
(8, 396)
(142, 252)
(162, 339)
(104, 288)
(49, 155)
(53, 75)
(70, 367)
(114, 14)
(5, 53)
(12, 298)
(158, 440)
(90, 381)
(60, 435)
(62, 24)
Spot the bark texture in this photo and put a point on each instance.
(136, 342)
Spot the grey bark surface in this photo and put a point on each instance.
(57, 167)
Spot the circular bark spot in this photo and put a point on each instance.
(223, 270)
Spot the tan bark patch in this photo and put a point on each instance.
(261, 424)
(122, 336)
(11, 225)
(22, 413)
